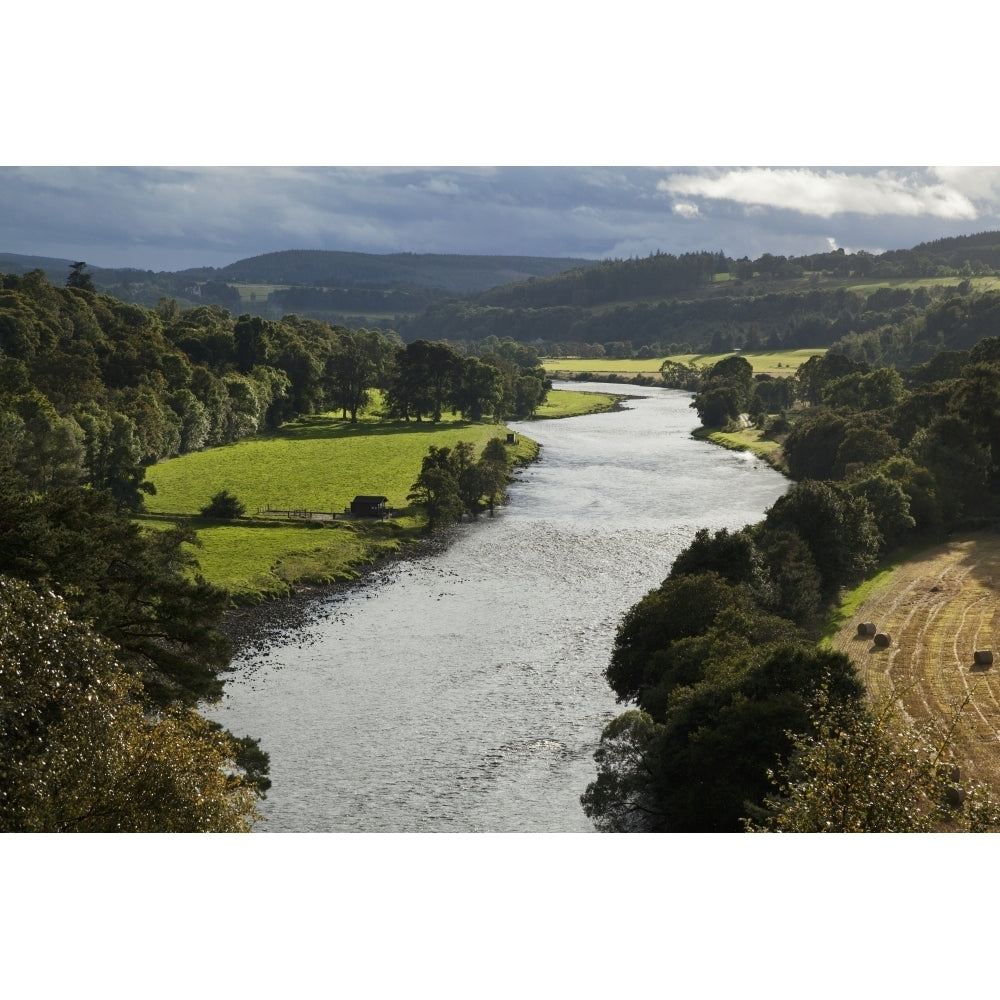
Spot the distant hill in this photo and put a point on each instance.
(355, 289)
(333, 269)
(458, 273)
(56, 269)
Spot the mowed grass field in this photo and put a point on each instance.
(319, 463)
(938, 607)
(764, 363)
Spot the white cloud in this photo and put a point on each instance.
(686, 210)
(977, 183)
(826, 193)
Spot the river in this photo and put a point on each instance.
(464, 691)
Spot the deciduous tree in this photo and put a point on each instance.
(79, 753)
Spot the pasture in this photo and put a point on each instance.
(763, 362)
(256, 292)
(318, 463)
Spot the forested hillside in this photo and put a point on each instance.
(707, 302)
(649, 306)
(364, 289)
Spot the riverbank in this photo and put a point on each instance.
(252, 625)
(252, 628)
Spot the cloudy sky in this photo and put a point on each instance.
(169, 218)
(107, 98)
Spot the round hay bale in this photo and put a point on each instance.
(954, 795)
(983, 657)
(882, 639)
(867, 628)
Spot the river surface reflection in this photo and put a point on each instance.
(464, 691)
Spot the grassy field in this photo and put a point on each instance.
(764, 363)
(570, 403)
(938, 607)
(318, 463)
(256, 293)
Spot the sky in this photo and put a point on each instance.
(171, 218)
(555, 129)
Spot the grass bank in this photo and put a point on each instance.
(749, 439)
(571, 403)
(318, 463)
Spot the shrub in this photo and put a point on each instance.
(224, 505)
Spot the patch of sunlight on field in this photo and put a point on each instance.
(319, 463)
(763, 362)
(571, 403)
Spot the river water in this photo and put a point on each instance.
(463, 691)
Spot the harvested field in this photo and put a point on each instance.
(939, 610)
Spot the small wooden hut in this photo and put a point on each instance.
(363, 506)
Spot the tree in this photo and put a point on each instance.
(724, 391)
(694, 763)
(437, 488)
(224, 506)
(860, 770)
(78, 278)
(479, 389)
(352, 370)
(424, 380)
(138, 588)
(80, 754)
(890, 507)
(494, 472)
(620, 799)
(811, 448)
(680, 607)
(838, 527)
(813, 376)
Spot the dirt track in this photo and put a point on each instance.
(938, 609)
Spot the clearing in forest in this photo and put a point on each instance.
(938, 609)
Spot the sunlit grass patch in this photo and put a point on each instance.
(319, 463)
(572, 403)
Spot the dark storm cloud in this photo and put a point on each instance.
(168, 218)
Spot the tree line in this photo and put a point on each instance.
(93, 389)
(734, 710)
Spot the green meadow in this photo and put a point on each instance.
(567, 403)
(764, 363)
(317, 463)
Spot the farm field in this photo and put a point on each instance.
(256, 293)
(938, 608)
(764, 363)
